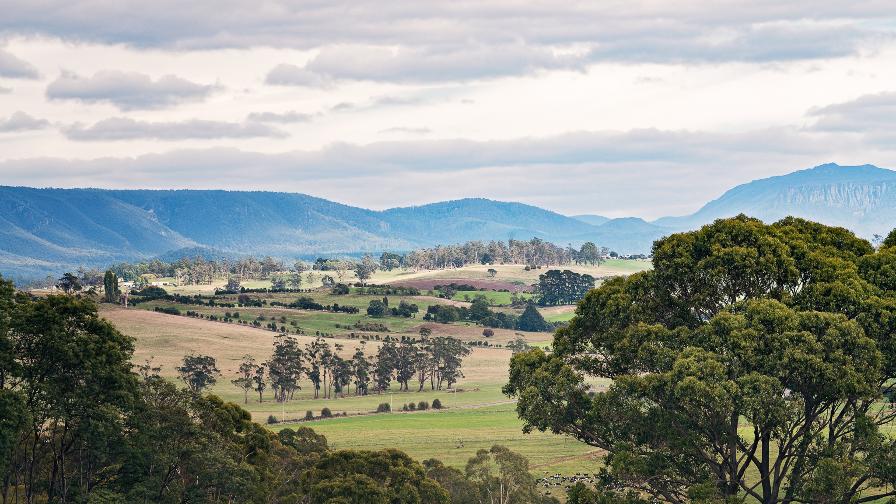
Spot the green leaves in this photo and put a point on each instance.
(750, 361)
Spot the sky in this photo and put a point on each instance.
(619, 108)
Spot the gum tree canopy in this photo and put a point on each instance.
(755, 362)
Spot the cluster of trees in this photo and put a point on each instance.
(557, 287)
(378, 308)
(753, 362)
(435, 360)
(480, 312)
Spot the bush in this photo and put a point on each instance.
(423, 405)
(436, 404)
(376, 309)
(488, 333)
(272, 419)
(412, 407)
(383, 408)
(326, 413)
(340, 289)
(310, 416)
(404, 407)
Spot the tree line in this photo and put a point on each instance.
(435, 361)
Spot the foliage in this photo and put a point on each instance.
(376, 308)
(557, 287)
(110, 287)
(381, 477)
(502, 476)
(749, 362)
(531, 320)
(198, 372)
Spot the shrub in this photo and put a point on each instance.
(383, 408)
(340, 289)
(272, 419)
(488, 333)
(436, 404)
(404, 407)
(310, 416)
(326, 413)
(412, 407)
(423, 405)
(170, 310)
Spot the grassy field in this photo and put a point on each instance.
(476, 414)
(494, 298)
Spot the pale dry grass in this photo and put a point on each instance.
(166, 339)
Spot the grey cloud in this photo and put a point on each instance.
(121, 128)
(867, 113)
(433, 64)
(11, 66)
(279, 117)
(127, 90)
(292, 75)
(20, 121)
(447, 40)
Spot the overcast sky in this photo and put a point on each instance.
(645, 108)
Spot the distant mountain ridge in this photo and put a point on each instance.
(860, 198)
(51, 230)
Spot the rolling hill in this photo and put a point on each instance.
(47, 231)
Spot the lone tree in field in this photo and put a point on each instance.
(198, 372)
(750, 363)
(245, 376)
(365, 269)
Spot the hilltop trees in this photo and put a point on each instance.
(749, 362)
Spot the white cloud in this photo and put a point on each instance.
(11, 66)
(122, 128)
(127, 90)
(20, 121)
